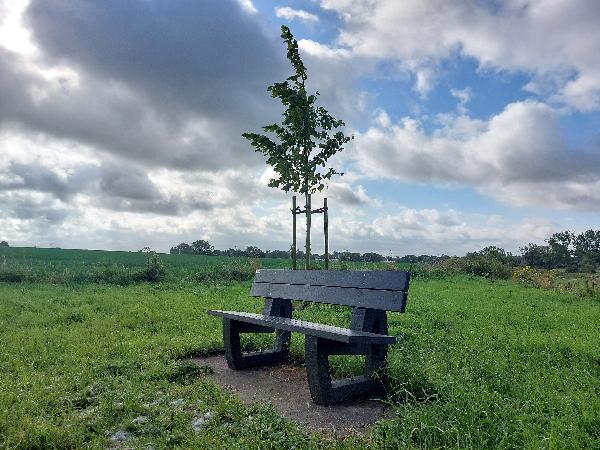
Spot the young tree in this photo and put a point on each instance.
(306, 138)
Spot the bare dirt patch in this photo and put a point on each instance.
(285, 386)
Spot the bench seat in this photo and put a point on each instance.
(330, 332)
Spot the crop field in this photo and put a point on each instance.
(93, 357)
(59, 266)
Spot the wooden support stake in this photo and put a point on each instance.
(308, 226)
(294, 233)
(326, 231)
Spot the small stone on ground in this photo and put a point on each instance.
(120, 436)
(199, 422)
(139, 420)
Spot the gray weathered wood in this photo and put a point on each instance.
(325, 391)
(364, 298)
(294, 267)
(392, 280)
(339, 334)
(326, 231)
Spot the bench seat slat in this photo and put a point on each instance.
(392, 280)
(314, 329)
(364, 298)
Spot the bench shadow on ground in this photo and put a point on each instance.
(286, 387)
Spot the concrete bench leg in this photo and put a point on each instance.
(326, 392)
(279, 352)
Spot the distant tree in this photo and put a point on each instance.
(586, 250)
(278, 254)
(561, 250)
(202, 247)
(372, 257)
(336, 255)
(145, 250)
(409, 259)
(254, 252)
(182, 249)
(349, 256)
(493, 252)
(305, 138)
(4, 244)
(537, 256)
(234, 252)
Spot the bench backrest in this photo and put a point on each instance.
(384, 290)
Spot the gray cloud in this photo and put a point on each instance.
(159, 85)
(142, 86)
(130, 189)
(202, 56)
(36, 177)
(349, 195)
(35, 212)
(107, 185)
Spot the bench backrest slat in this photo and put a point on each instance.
(364, 279)
(367, 289)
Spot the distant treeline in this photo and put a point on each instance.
(203, 247)
(563, 250)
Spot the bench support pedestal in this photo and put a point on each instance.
(278, 353)
(317, 350)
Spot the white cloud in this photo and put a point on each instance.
(248, 6)
(332, 71)
(14, 36)
(434, 231)
(548, 39)
(517, 156)
(323, 51)
(285, 12)
(463, 96)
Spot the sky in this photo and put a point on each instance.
(475, 122)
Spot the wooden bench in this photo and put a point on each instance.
(369, 293)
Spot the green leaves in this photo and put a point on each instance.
(303, 140)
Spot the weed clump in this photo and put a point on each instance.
(228, 272)
(154, 271)
(583, 285)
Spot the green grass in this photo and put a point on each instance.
(479, 364)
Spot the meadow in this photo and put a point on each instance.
(93, 357)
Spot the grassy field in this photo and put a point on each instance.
(98, 266)
(479, 364)
(59, 266)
